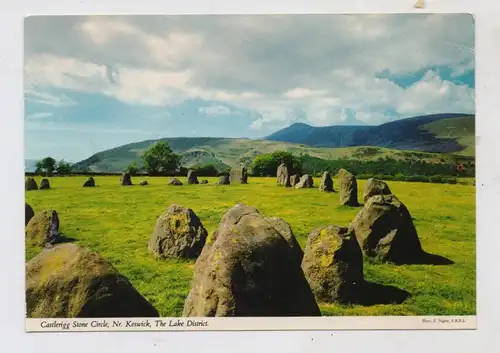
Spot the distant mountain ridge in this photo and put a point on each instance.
(414, 133)
(436, 137)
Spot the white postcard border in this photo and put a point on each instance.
(253, 323)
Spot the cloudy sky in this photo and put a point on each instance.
(96, 82)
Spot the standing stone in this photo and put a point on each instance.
(28, 213)
(144, 183)
(178, 234)
(89, 183)
(204, 181)
(43, 229)
(333, 263)
(192, 177)
(30, 184)
(385, 230)
(282, 175)
(375, 187)
(286, 232)
(247, 268)
(44, 184)
(69, 281)
(238, 175)
(306, 181)
(326, 184)
(348, 188)
(223, 180)
(294, 180)
(174, 181)
(125, 179)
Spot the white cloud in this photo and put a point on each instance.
(39, 115)
(215, 110)
(276, 66)
(34, 96)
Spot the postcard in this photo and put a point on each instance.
(249, 172)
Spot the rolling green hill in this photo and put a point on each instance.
(225, 152)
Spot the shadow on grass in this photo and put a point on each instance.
(426, 258)
(63, 238)
(370, 293)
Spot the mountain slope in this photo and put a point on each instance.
(430, 133)
(225, 152)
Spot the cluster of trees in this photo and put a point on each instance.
(267, 164)
(48, 166)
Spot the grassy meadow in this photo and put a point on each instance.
(117, 222)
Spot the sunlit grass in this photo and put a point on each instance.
(117, 222)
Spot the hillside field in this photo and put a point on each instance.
(117, 222)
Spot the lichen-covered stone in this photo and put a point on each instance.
(248, 268)
(30, 184)
(192, 178)
(385, 230)
(223, 180)
(238, 175)
(348, 188)
(68, 281)
(125, 179)
(178, 233)
(143, 182)
(283, 176)
(28, 213)
(286, 232)
(44, 184)
(294, 180)
(306, 181)
(43, 229)
(174, 181)
(204, 181)
(89, 183)
(326, 183)
(333, 263)
(375, 187)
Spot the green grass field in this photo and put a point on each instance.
(117, 222)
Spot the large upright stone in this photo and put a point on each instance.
(125, 179)
(348, 188)
(68, 281)
(178, 234)
(333, 263)
(192, 178)
(223, 180)
(89, 183)
(43, 229)
(282, 175)
(238, 175)
(44, 184)
(248, 268)
(28, 213)
(294, 180)
(286, 232)
(30, 184)
(306, 181)
(326, 184)
(375, 187)
(385, 230)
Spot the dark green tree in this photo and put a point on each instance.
(63, 168)
(132, 168)
(159, 159)
(46, 166)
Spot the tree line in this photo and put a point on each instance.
(159, 159)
